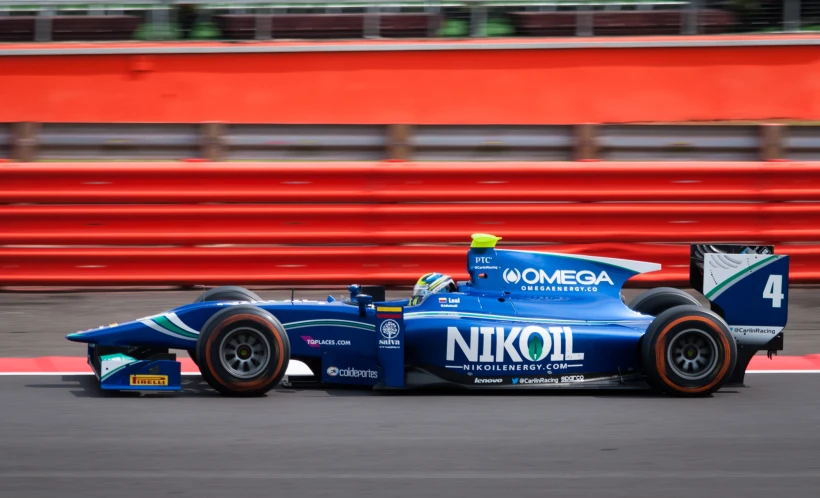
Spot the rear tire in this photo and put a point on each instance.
(655, 301)
(243, 351)
(688, 351)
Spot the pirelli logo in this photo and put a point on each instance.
(149, 380)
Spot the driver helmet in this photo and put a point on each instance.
(432, 283)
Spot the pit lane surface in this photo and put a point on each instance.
(61, 437)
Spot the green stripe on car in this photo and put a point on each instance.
(108, 374)
(329, 323)
(165, 323)
(734, 278)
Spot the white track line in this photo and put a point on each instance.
(295, 369)
(782, 371)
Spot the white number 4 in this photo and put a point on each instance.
(774, 290)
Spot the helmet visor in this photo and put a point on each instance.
(421, 290)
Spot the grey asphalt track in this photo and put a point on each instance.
(35, 323)
(60, 437)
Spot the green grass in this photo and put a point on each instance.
(152, 32)
(460, 28)
(801, 29)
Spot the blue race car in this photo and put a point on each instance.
(524, 319)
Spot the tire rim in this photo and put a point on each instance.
(692, 354)
(244, 352)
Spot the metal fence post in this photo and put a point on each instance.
(585, 143)
(43, 24)
(432, 25)
(213, 141)
(771, 141)
(478, 19)
(161, 19)
(152, 23)
(584, 25)
(264, 24)
(398, 141)
(690, 20)
(372, 22)
(24, 142)
(791, 15)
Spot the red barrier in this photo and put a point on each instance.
(407, 182)
(405, 223)
(312, 265)
(534, 86)
(311, 214)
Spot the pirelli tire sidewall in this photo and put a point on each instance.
(657, 341)
(223, 293)
(221, 324)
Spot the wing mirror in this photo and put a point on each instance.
(364, 301)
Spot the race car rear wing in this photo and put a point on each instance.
(749, 287)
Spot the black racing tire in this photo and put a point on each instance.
(237, 331)
(655, 301)
(227, 293)
(688, 351)
(192, 355)
(224, 293)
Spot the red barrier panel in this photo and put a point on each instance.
(406, 223)
(307, 215)
(323, 265)
(407, 182)
(533, 86)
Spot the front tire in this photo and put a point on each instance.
(227, 293)
(688, 351)
(223, 293)
(243, 351)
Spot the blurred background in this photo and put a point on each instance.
(150, 149)
(309, 19)
(304, 143)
